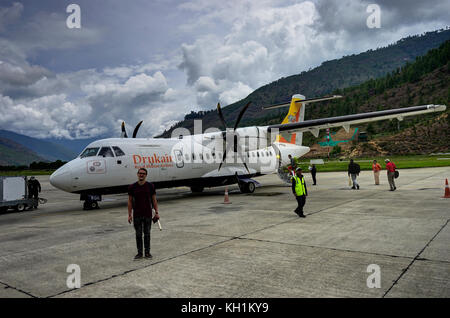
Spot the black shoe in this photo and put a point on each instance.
(138, 256)
(395, 188)
(353, 188)
(148, 255)
(302, 215)
(357, 186)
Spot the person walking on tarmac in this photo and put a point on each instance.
(376, 171)
(292, 166)
(390, 167)
(353, 171)
(300, 191)
(313, 173)
(34, 188)
(141, 198)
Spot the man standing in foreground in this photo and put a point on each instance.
(390, 167)
(300, 192)
(141, 197)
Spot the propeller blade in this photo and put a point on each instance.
(222, 119)
(245, 165)
(137, 128)
(241, 114)
(223, 159)
(124, 132)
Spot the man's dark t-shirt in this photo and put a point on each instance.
(142, 198)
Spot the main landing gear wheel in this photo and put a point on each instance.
(251, 187)
(248, 187)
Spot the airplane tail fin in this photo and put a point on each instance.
(295, 114)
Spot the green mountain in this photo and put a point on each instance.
(44, 149)
(15, 154)
(331, 76)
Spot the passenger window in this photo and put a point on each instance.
(118, 151)
(89, 152)
(105, 152)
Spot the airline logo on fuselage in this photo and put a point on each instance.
(155, 161)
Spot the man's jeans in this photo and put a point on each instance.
(354, 175)
(142, 224)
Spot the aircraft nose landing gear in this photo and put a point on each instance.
(90, 201)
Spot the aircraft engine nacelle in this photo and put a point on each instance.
(286, 149)
(254, 138)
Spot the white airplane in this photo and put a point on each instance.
(213, 158)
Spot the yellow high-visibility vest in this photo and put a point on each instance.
(299, 186)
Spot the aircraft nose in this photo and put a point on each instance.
(62, 178)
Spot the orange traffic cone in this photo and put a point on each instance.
(447, 190)
(226, 199)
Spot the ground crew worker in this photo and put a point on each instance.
(141, 198)
(390, 167)
(376, 171)
(34, 188)
(300, 191)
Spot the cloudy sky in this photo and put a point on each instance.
(156, 60)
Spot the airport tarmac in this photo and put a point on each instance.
(254, 247)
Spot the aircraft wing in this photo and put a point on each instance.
(315, 125)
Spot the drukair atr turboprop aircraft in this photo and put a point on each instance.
(209, 159)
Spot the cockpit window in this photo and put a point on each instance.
(89, 152)
(118, 151)
(106, 152)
